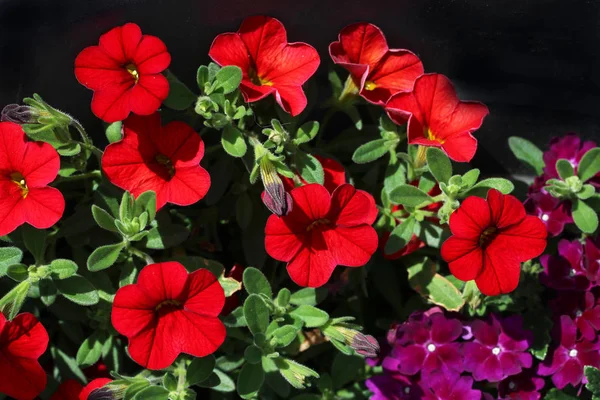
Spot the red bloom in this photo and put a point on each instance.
(26, 169)
(163, 159)
(68, 390)
(124, 71)
(269, 63)
(436, 117)
(22, 341)
(491, 240)
(334, 172)
(377, 71)
(93, 385)
(168, 312)
(323, 230)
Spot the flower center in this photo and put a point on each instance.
(487, 235)
(512, 385)
(578, 313)
(572, 272)
(167, 163)
(132, 69)
(496, 351)
(370, 85)
(322, 221)
(172, 304)
(431, 347)
(19, 180)
(545, 217)
(257, 80)
(428, 133)
(573, 353)
(407, 390)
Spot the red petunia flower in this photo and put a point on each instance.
(163, 159)
(436, 117)
(323, 230)
(26, 169)
(378, 71)
(269, 63)
(333, 171)
(22, 341)
(491, 240)
(124, 71)
(93, 385)
(168, 312)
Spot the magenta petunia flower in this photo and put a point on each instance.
(524, 386)
(582, 308)
(591, 262)
(393, 387)
(426, 343)
(565, 271)
(499, 348)
(446, 386)
(568, 147)
(566, 360)
(555, 214)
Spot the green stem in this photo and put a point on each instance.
(73, 178)
(140, 254)
(86, 141)
(181, 373)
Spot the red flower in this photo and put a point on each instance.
(491, 240)
(335, 175)
(124, 71)
(269, 63)
(436, 117)
(93, 385)
(377, 71)
(26, 169)
(168, 312)
(68, 390)
(323, 230)
(163, 159)
(22, 341)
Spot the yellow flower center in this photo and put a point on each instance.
(370, 85)
(487, 236)
(257, 80)
(319, 222)
(167, 163)
(132, 69)
(428, 133)
(19, 180)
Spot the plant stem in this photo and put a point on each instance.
(86, 141)
(73, 178)
(140, 254)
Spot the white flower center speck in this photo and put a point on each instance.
(431, 347)
(496, 351)
(545, 217)
(573, 353)
(407, 390)
(578, 313)
(572, 272)
(512, 386)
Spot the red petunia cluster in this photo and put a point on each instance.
(491, 238)
(323, 230)
(169, 312)
(125, 73)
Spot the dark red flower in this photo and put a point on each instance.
(270, 65)
(436, 117)
(377, 71)
(68, 390)
(583, 310)
(333, 171)
(168, 312)
(22, 341)
(491, 240)
(124, 71)
(92, 386)
(26, 169)
(323, 230)
(163, 159)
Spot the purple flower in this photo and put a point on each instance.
(499, 349)
(426, 343)
(591, 262)
(393, 387)
(566, 361)
(449, 386)
(565, 272)
(582, 308)
(555, 214)
(524, 386)
(568, 147)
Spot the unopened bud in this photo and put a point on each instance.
(275, 198)
(111, 391)
(365, 345)
(19, 114)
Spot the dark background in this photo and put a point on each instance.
(533, 62)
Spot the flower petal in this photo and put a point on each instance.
(12, 147)
(121, 42)
(501, 270)
(359, 43)
(180, 142)
(464, 257)
(311, 203)
(12, 213)
(43, 207)
(111, 104)
(40, 164)
(188, 186)
(291, 67)
(163, 281)
(146, 96)
(203, 295)
(525, 240)
(96, 70)
(471, 218)
(314, 264)
(264, 37)
(283, 237)
(351, 246)
(351, 207)
(229, 49)
(291, 98)
(151, 56)
(505, 210)
(90, 387)
(22, 378)
(461, 147)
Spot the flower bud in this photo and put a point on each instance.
(19, 114)
(275, 198)
(365, 345)
(111, 391)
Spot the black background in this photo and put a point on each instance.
(533, 62)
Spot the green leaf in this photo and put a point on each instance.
(593, 376)
(285, 335)
(166, 235)
(199, 370)
(309, 167)
(307, 132)
(11, 303)
(481, 188)
(229, 362)
(256, 282)
(226, 384)
(152, 393)
(346, 369)
(78, 289)
(469, 178)
(35, 242)
(443, 293)
(48, 291)
(114, 131)
(283, 297)
(295, 373)
(228, 78)
(311, 316)
(584, 216)
(400, 236)
(250, 380)
(586, 192)
(589, 165)
(308, 296)
(146, 202)
(373, 150)
(17, 272)
(91, 349)
(202, 76)
(233, 141)
(180, 97)
(527, 152)
(104, 219)
(564, 168)
(555, 394)
(439, 164)
(408, 195)
(62, 268)
(104, 256)
(253, 354)
(8, 257)
(256, 314)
